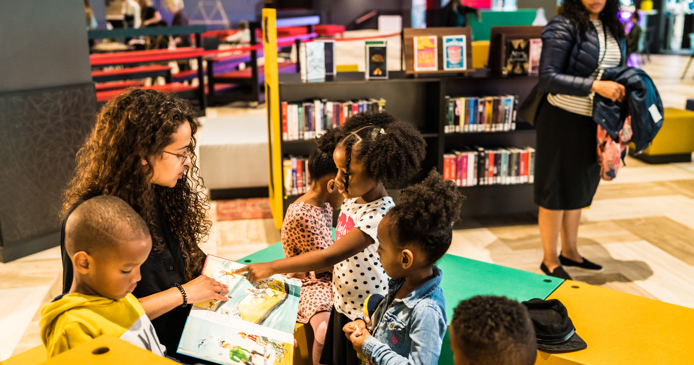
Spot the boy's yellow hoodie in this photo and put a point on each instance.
(75, 318)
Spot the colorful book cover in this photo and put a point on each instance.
(534, 56)
(473, 114)
(517, 56)
(467, 121)
(454, 53)
(425, 53)
(460, 124)
(255, 326)
(301, 119)
(376, 60)
(315, 62)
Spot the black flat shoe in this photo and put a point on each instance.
(557, 273)
(585, 265)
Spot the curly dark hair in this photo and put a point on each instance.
(391, 150)
(492, 330)
(577, 13)
(425, 214)
(320, 161)
(135, 125)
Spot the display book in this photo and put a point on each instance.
(376, 59)
(471, 114)
(255, 326)
(317, 60)
(309, 119)
(473, 166)
(426, 53)
(522, 56)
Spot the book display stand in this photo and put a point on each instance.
(417, 100)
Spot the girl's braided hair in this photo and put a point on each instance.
(391, 150)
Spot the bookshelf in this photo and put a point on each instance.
(420, 101)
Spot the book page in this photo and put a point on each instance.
(256, 324)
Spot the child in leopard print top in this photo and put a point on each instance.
(308, 227)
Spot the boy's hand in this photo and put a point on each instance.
(354, 327)
(256, 272)
(205, 288)
(358, 339)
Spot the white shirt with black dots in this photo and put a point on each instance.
(362, 274)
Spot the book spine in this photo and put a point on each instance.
(464, 169)
(497, 168)
(524, 166)
(300, 176)
(302, 61)
(451, 112)
(460, 122)
(295, 184)
(466, 116)
(481, 103)
(285, 135)
(301, 120)
(490, 168)
(488, 115)
(287, 171)
(473, 168)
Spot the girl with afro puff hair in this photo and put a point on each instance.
(142, 150)
(408, 325)
(377, 151)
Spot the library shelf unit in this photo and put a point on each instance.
(420, 101)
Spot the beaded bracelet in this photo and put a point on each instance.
(183, 293)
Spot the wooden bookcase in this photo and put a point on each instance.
(420, 101)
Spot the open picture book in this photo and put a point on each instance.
(256, 325)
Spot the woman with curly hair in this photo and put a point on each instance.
(578, 46)
(376, 151)
(142, 151)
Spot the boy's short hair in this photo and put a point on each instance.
(102, 222)
(493, 330)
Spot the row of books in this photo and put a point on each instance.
(296, 176)
(481, 114)
(478, 166)
(309, 119)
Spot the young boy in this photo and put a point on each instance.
(408, 325)
(107, 242)
(491, 330)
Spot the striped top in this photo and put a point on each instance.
(610, 56)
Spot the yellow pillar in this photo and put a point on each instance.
(273, 111)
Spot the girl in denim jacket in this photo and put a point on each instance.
(408, 325)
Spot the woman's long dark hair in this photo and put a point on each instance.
(136, 125)
(578, 14)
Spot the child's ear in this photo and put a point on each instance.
(81, 262)
(407, 258)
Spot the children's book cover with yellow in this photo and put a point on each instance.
(255, 326)
(425, 53)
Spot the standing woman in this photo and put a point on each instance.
(577, 46)
(142, 151)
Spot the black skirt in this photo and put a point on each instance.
(567, 173)
(338, 350)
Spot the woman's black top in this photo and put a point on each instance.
(147, 13)
(454, 18)
(159, 272)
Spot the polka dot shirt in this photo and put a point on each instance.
(362, 274)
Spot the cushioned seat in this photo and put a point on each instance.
(674, 142)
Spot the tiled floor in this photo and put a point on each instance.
(640, 227)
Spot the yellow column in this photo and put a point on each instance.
(274, 126)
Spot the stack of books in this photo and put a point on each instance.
(501, 166)
(481, 114)
(296, 176)
(310, 119)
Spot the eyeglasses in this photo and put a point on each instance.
(184, 157)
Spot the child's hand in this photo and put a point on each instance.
(257, 272)
(297, 275)
(358, 339)
(354, 326)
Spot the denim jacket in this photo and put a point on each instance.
(411, 330)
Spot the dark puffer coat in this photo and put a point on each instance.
(569, 57)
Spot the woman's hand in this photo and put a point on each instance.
(257, 272)
(205, 288)
(609, 89)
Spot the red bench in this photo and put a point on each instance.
(184, 91)
(132, 73)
